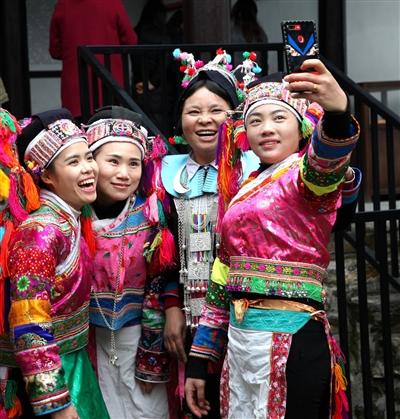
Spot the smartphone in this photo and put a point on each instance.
(300, 43)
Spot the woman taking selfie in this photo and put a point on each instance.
(266, 293)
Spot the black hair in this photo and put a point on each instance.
(115, 112)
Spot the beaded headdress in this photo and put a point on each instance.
(221, 64)
(116, 124)
(273, 92)
(116, 130)
(218, 70)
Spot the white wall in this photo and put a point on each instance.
(373, 43)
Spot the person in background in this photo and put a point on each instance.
(158, 98)
(175, 27)
(49, 267)
(266, 299)
(86, 22)
(131, 286)
(245, 29)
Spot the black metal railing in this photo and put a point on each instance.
(153, 67)
(373, 237)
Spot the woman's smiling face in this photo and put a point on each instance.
(73, 175)
(273, 133)
(120, 170)
(202, 114)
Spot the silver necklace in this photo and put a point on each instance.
(121, 255)
(195, 250)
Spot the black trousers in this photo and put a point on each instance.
(308, 374)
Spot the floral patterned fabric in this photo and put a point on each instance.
(49, 315)
(119, 257)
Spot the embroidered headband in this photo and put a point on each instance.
(51, 141)
(44, 136)
(276, 93)
(109, 130)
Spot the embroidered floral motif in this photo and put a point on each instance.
(277, 388)
(23, 283)
(29, 340)
(320, 178)
(151, 366)
(27, 288)
(278, 278)
(224, 390)
(217, 295)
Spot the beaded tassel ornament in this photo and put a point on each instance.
(21, 196)
(17, 186)
(160, 254)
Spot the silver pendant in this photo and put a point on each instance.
(196, 304)
(113, 359)
(200, 242)
(198, 270)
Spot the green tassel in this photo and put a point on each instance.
(149, 248)
(7, 121)
(86, 211)
(240, 95)
(178, 139)
(161, 215)
(10, 393)
(307, 128)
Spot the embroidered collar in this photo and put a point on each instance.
(192, 167)
(55, 199)
(265, 177)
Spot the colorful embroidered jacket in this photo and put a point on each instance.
(189, 185)
(119, 259)
(283, 220)
(50, 289)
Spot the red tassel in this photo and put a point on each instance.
(87, 230)
(31, 192)
(87, 233)
(16, 411)
(18, 213)
(8, 229)
(167, 249)
(341, 405)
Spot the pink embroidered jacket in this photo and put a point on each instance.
(50, 272)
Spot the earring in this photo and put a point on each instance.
(177, 139)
